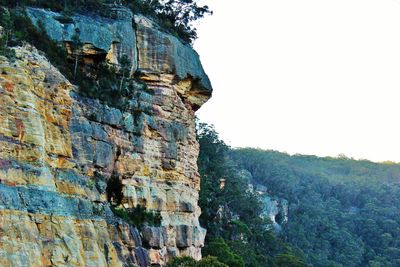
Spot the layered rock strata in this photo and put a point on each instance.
(58, 150)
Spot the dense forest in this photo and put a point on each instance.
(237, 233)
(342, 212)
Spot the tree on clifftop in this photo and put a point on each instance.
(182, 13)
(176, 15)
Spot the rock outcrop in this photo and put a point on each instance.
(276, 209)
(58, 150)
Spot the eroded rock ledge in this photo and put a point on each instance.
(57, 150)
(149, 48)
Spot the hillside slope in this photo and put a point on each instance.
(342, 212)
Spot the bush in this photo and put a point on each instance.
(220, 249)
(210, 261)
(20, 29)
(189, 262)
(138, 216)
(5, 22)
(182, 262)
(287, 259)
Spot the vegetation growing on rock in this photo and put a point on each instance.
(176, 16)
(237, 233)
(138, 216)
(208, 261)
(111, 86)
(342, 212)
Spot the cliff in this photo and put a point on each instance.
(58, 150)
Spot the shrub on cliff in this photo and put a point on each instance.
(110, 86)
(176, 15)
(138, 216)
(19, 29)
(190, 262)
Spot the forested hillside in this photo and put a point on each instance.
(237, 233)
(342, 212)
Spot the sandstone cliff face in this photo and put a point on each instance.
(58, 150)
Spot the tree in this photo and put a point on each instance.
(177, 16)
(189, 262)
(5, 33)
(287, 259)
(124, 64)
(237, 233)
(76, 47)
(220, 249)
(181, 14)
(6, 24)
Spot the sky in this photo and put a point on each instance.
(316, 77)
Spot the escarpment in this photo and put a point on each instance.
(59, 150)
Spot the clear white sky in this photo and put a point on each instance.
(315, 77)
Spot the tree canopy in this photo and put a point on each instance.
(342, 212)
(237, 233)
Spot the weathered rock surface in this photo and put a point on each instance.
(103, 36)
(58, 150)
(276, 209)
(149, 48)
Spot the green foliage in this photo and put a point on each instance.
(138, 216)
(342, 212)
(63, 5)
(182, 262)
(176, 16)
(237, 234)
(103, 82)
(288, 259)
(6, 23)
(189, 262)
(91, 184)
(210, 261)
(220, 249)
(112, 87)
(20, 29)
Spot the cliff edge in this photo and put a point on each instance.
(59, 150)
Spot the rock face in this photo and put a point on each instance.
(149, 48)
(276, 209)
(58, 150)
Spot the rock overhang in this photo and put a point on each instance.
(51, 151)
(150, 49)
